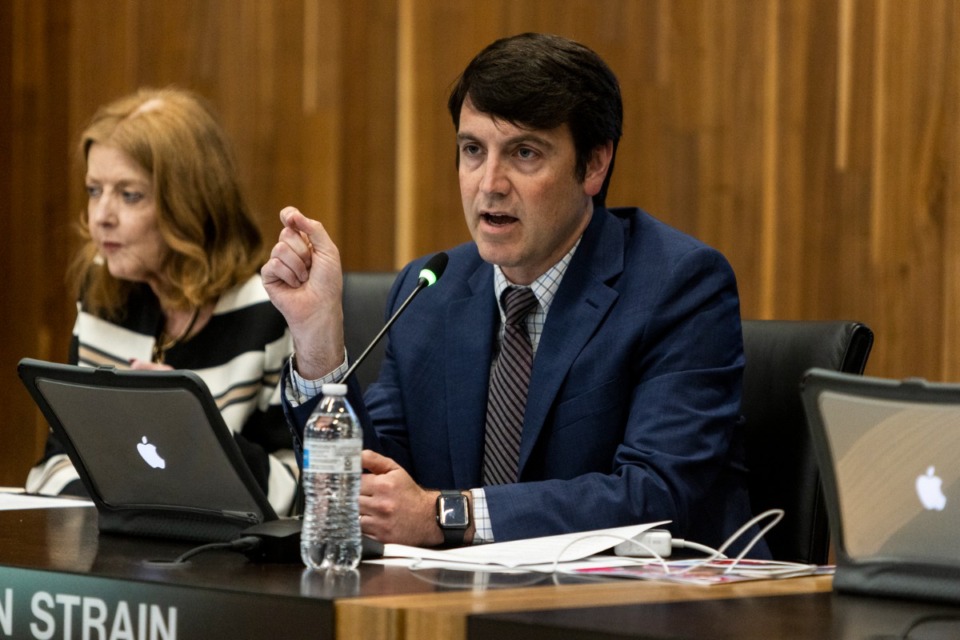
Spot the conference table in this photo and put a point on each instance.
(60, 578)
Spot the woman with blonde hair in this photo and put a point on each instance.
(168, 276)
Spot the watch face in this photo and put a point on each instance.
(452, 511)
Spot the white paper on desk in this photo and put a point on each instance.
(531, 551)
(16, 501)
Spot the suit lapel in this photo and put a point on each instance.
(471, 323)
(580, 305)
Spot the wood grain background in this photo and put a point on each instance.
(815, 142)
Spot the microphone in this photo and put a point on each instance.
(430, 273)
(279, 540)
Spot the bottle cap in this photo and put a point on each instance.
(334, 389)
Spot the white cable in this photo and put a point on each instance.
(680, 543)
(776, 513)
(713, 554)
(653, 554)
(777, 517)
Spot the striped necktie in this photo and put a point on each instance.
(508, 390)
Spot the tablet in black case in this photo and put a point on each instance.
(151, 448)
(889, 457)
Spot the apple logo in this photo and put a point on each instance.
(149, 453)
(930, 492)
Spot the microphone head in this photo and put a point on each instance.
(434, 268)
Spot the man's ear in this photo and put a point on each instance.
(597, 167)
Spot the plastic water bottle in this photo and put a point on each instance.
(332, 442)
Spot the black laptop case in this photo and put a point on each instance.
(889, 457)
(190, 482)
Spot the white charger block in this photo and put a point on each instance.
(655, 542)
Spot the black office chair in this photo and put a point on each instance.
(783, 468)
(364, 303)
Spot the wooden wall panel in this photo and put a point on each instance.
(368, 160)
(815, 142)
(305, 89)
(910, 174)
(34, 312)
(950, 152)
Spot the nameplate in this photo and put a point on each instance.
(48, 605)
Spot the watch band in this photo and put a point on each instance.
(453, 536)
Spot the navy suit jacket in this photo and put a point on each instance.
(633, 408)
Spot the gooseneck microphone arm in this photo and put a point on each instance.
(430, 273)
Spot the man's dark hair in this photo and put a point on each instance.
(540, 81)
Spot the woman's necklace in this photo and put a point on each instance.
(161, 346)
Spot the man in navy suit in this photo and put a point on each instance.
(632, 413)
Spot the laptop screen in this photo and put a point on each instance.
(897, 476)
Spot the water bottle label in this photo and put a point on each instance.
(333, 457)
